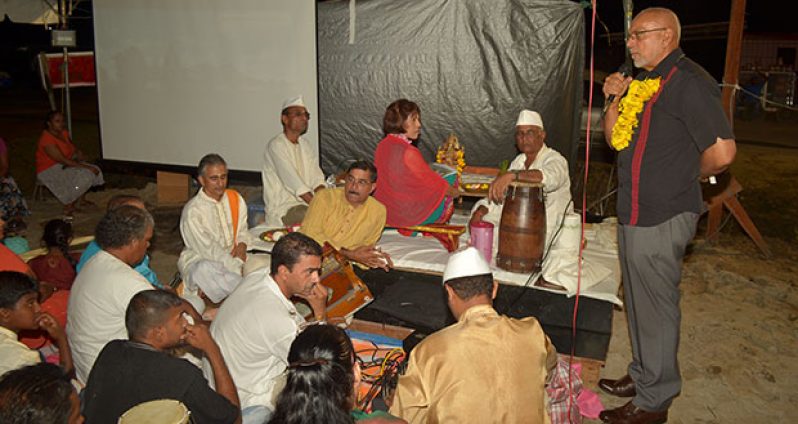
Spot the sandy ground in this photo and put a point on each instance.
(739, 309)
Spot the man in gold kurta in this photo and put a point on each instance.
(486, 368)
(349, 219)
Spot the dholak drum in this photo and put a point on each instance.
(522, 231)
(162, 411)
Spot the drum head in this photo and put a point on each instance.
(520, 184)
(162, 411)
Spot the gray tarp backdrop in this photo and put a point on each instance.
(471, 65)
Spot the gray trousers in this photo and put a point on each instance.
(651, 267)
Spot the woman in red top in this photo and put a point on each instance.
(60, 165)
(413, 194)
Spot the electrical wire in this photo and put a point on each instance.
(584, 212)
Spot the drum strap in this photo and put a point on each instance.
(232, 198)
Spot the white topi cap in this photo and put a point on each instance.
(293, 101)
(465, 263)
(528, 117)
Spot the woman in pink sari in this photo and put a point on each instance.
(412, 193)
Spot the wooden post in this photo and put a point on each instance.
(726, 194)
(734, 44)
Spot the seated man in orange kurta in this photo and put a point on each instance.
(349, 219)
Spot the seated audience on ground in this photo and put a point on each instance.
(55, 303)
(62, 167)
(129, 372)
(104, 287)
(290, 173)
(19, 310)
(55, 271)
(214, 228)
(57, 266)
(258, 321)
(38, 394)
(16, 231)
(452, 375)
(349, 219)
(411, 191)
(142, 267)
(322, 380)
(12, 203)
(537, 163)
(9, 261)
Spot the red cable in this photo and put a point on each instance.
(584, 211)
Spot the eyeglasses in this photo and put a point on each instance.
(635, 35)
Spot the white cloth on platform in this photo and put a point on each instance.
(288, 170)
(97, 305)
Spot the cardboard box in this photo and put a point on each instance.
(173, 189)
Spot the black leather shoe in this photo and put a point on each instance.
(622, 387)
(630, 414)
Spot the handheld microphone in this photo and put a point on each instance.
(625, 70)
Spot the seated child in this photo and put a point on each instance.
(20, 310)
(57, 266)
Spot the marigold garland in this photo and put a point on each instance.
(630, 107)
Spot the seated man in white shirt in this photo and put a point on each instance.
(537, 163)
(257, 323)
(105, 285)
(290, 173)
(214, 228)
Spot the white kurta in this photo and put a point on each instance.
(254, 329)
(97, 305)
(207, 229)
(288, 170)
(556, 188)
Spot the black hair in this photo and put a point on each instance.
(320, 378)
(57, 235)
(14, 285)
(210, 159)
(148, 309)
(364, 165)
(50, 115)
(121, 226)
(475, 285)
(396, 114)
(290, 248)
(35, 394)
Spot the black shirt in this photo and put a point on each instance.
(659, 178)
(127, 373)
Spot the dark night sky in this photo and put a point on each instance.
(761, 15)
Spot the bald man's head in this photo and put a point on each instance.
(667, 19)
(653, 35)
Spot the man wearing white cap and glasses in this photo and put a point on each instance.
(290, 172)
(537, 163)
(454, 375)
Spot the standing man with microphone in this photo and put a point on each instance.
(670, 130)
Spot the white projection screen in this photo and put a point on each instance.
(177, 79)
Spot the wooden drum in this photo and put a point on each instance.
(522, 232)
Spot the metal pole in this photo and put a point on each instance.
(628, 12)
(62, 19)
(66, 92)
